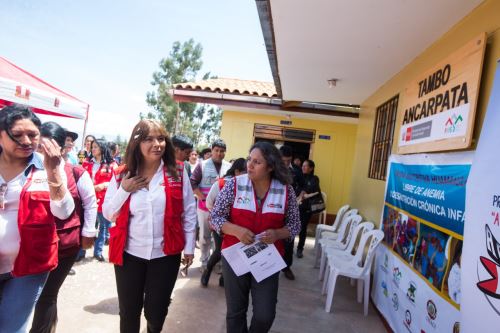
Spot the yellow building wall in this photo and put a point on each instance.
(368, 194)
(333, 158)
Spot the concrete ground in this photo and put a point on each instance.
(88, 303)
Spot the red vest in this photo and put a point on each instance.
(37, 230)
(103, 175)
(69, 230)
(173, 231)
(246, 212)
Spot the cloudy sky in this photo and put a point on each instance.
(104, 52)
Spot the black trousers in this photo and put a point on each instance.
(288, 255)
(264, 299)
(216, 254)
(147, 283)
(45, 316)
(305, 216)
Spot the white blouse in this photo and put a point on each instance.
(147, 209)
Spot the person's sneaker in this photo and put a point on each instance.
(100, 258)
(71, 272)
(79, 258)
(300, 254)
(289, 274)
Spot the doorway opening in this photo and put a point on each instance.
(300, 140)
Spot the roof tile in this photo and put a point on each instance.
(232, 86)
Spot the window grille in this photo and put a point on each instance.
(383, 133)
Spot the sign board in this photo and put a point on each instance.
(481, 254)
(439, 106)
(416, 284)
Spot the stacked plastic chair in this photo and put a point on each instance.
(357, 266)
(322, 227)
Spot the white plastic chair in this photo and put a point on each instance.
(348, 224)
(329, 252)
(322, 215)
(343, 212)
(356, 268)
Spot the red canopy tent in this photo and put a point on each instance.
(20, 86)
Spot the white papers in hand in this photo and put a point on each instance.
(233, 257)
(263, 260)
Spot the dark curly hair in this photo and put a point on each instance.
(54, 131)
(12, 113)
(106, 157)
(239, 164)
(273, 159)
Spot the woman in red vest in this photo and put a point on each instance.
(238, 167)
(100, 166)
(152, 203)
(78, 229)
(262, 202)
(32, 193)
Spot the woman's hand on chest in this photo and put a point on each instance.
(133, 184)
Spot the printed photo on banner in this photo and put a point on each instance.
(431, 259)
(452, 281)
(432, 253)
(401, 233)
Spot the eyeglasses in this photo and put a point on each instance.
(3, 190)
(254, 161)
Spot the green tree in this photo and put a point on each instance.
(182, 65)
(122, 143)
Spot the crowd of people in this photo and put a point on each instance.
(152, 205)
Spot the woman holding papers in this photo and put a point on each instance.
(261, 203)
(151, 200)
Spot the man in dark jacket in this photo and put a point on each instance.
(298, 185)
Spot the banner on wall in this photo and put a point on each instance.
(481, 255)
(417, 274)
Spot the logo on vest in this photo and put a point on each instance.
(244, 188)
(275, 205)
(276, 191)
(210, 180)
(38, 184)
(243, 200)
